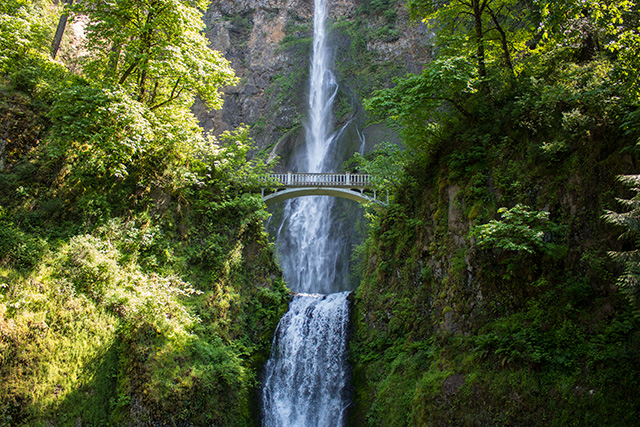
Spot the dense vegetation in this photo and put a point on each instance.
(489, 295)
(137, 284)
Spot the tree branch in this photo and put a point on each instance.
(477, 13)
(172, 97)
(503, 40)
(457, 106)
(127, 73)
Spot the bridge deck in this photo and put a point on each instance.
(351, 180)
(350, 186)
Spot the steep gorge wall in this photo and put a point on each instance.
(449, 332)
(268, 43)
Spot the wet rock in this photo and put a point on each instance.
(250, 33)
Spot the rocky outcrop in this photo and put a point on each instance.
(268, 43)
(249, 34)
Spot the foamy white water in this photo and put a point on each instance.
(306, 380)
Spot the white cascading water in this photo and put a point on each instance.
(306, 379)
(304, 240)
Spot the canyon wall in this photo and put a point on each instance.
(268, 43)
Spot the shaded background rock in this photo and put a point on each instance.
(269, 44)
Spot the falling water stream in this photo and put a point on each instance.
(306, 379)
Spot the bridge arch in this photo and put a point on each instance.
(344, 185)
(290, 193)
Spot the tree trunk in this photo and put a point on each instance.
(114, 57)
(477, 15)
(62, 24)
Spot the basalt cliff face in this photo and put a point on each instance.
(268, 43)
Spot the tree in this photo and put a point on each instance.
(477, 43)
(417, 101)
(24, 33)
(155, 50)
(629, 281)
(62, 24)
(586, 30)
(489, 26)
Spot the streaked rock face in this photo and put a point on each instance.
(268, 44)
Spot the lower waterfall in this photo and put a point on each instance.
(306, 380)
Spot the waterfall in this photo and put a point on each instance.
(307, 248)
(305, 381)
(306, 377)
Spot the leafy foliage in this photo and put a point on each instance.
(25, 33)
(519, 229)
(491, 31)
(136, 281)
(106, 129)
(386, 165)
(525, 105)
(416, 101)
(629, 281)
(19, 249)
(155, 51)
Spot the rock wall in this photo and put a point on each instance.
(268, 43)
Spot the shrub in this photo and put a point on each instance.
(520, 229)
(19, 249)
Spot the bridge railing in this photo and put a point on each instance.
(290, 179)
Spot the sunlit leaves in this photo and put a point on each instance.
(102, 134)
(156, 50)
(519, 229)
(102, 128)
(417, 100)
(606, 25)
(14, 38)
(92, 267)
(25, 30)
(386, 165)
(491, 31)
(229, 161)
(624, 41)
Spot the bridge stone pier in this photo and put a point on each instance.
(352, 186)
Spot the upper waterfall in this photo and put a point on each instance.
(322, 91)
(309, 249)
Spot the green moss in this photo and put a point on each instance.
(355, 64)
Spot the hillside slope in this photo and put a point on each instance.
(489, 295)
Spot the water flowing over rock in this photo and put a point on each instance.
(307, 376)
(268, 44)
